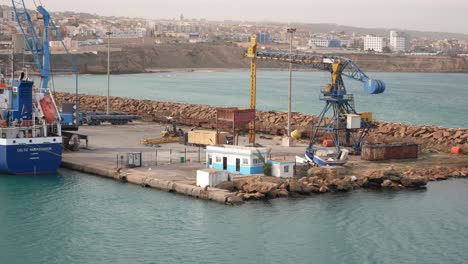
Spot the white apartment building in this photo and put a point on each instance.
(374, 43)
(398, 41)
(318, 42)
(128, 32)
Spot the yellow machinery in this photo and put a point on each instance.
(366, 116)
(172, 132)
(168, 135)
(156, 141)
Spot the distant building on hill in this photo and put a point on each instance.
(327, 43)
(263, 38)
(7, 14)
(398, 41)
(374, 43)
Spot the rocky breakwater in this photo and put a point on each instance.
(324, 180)
(272, 122)
(430, 137)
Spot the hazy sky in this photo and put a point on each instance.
(426, 15)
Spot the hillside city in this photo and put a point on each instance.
(82, 31)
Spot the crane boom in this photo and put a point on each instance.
(335, 96)
(325, 63)
(40, 49)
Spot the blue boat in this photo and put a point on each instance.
(30, 130)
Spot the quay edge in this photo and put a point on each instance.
(138, 178)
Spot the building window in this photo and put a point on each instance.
(245, 161)
(218, 159)
(286, 168)
(257, 161)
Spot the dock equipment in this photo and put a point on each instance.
(344, 120)
(115, 118)
(70, 116)
(40, 50)
(173, 131)
(237, 118)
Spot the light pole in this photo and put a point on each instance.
(108, 33)
(291, 35)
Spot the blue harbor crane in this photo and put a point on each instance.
(338, 118)
(70, 116)
(40, 50)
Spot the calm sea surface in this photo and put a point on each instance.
(75, 218)
(419, 98)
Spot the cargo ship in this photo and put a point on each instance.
(30, 129)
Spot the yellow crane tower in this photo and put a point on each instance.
(251, 53)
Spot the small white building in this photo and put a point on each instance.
(211, 177)
(236, 159)
(282, 168)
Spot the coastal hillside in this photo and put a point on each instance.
(134, 59)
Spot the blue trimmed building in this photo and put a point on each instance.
(235, 159)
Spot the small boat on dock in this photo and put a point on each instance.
(327, 159)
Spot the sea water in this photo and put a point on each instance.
(74, 218)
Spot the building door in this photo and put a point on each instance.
(237, 164)
(224, 163)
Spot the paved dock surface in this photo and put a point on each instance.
(108, 145)
(162, 167)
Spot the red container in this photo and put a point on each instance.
(328, 143)
(456, 150)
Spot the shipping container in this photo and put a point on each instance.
(206, 137)
(390, 151)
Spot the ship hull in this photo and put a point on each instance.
(30, 156)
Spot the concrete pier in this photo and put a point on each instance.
(161, 164)
(172, 167)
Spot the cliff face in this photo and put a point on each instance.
(185, 56)
(271, 122)
(193, 56)
(410, 63)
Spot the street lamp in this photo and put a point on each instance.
(291, 32)
(108, 33)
